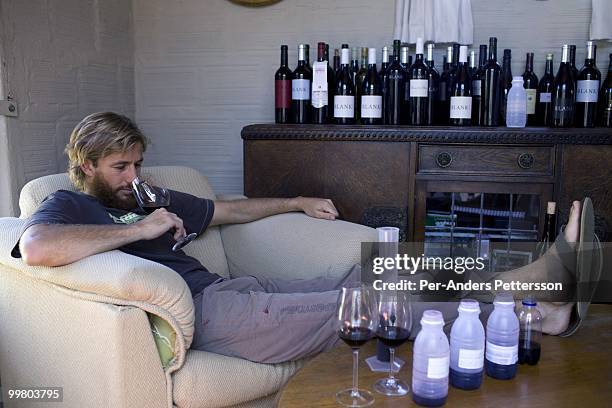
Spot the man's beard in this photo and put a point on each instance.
(100, 189)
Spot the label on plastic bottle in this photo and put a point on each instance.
(419, 88)
(545, 97)
(461, 107)
(437, 367)
(476, 88)
(300, 89)
(319, 84)
(371, 106)
(504, 355)
(587, 91)
(344, 106)
(471, 359)
(532, 95)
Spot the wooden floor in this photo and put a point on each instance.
(572, 372)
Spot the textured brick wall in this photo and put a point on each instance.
(204, 69)
(64, 59)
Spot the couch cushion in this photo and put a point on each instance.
(207, 249)
(213, 380)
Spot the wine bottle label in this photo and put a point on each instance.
(471, 359)
(442, 91)
(437, 367)
(501, 354)
(545, 97)
(282, 93)
(371, 106)
(344, 106)
(419, 88)
(532, 95)
(476, 88)
(300, 89)
(461, 107)
(587, 91)
(319, 84)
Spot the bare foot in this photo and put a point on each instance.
(572, 229)
(555, 316)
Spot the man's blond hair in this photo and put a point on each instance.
(97, 136)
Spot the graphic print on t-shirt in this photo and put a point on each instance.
(128, 218)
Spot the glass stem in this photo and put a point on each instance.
(355, 391)
(391, 363)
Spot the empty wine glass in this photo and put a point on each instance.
(395, 322)
(150, 198)
(357, 320)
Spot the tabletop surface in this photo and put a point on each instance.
(572, 372)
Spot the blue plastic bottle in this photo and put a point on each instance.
(501, 357)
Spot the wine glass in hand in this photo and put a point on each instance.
(357, 321)
(150, 198)
(395, 321)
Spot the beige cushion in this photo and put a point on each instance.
(208, 249)
(212, 380)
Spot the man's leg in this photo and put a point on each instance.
(319, 284)
(238, 318)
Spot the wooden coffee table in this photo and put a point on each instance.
(572, 372)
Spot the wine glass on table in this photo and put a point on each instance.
(150, 198)
(357, 320)
(395, 322)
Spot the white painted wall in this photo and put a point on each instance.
(64, 59)
(204, 69)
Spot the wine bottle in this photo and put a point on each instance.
(320, 87)
(587, 89)
(282, 90)
(371, 96)
(344, 98)
(544, 108)
(472, 63)
(550, 227)
(363, 70)
(452, 73)
(490, 88)
(405, 64)
(338, 70)
(444, 88)
(563, 97)
(433, 81)
(505, 83)
(384, 82)
(307, 56)
(331, 86)
(530, 83)
(418, 77)
(476, 85)
(572, 62)
(395, 88)
(354, 64)
(300, 88)
(461, 92)
(336, 60)
(605, 99)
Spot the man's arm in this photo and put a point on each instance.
(247, 210)
(61, 244)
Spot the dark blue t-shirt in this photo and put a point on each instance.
(68, 207)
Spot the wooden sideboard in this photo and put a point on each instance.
(381, 175)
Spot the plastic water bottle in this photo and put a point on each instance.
(467, 347)
(501, 356)
(430, 362)
(530, 336)
(516, 110)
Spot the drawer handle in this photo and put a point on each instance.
(444, 159)
(525, 160)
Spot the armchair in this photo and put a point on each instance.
(86, 327)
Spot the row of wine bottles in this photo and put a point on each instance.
(407, 93)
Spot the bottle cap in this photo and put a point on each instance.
(419, 46)
(372, 56)
(529, 301)
(517, 78)
(551, 208)
(463, 53)
(549, 56)
(469, 305)
(344, 56)
(432, 317)
(504, 299)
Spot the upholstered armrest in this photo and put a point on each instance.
(230, 197)
(294, 245)
(113, 277)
